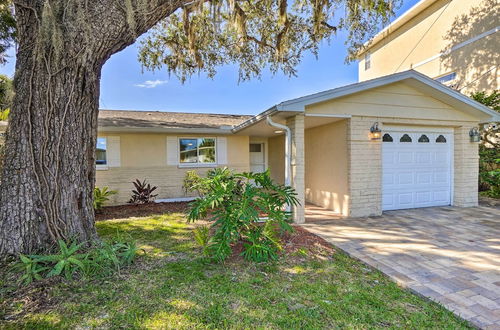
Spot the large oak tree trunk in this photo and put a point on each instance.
(48, 174)
(49, 168)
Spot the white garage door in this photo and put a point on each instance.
(416, 169)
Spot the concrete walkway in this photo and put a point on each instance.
(451, 255)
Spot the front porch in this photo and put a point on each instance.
(318, 156)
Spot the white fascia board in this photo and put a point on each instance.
(126, 129)
(302, 102)
(396, 24)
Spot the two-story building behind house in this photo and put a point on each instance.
(453, 41)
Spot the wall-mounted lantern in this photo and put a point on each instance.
(474, 135)
(375, 132)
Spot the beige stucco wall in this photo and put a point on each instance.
(144, 156)
(276, 158)
(398, 104)
(436, 30)
(326, 171)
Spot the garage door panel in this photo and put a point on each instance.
(424, 178)
(404, 178)
(416, 173)
(405, 157)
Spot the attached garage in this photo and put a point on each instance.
(396, 142)
(417, 168)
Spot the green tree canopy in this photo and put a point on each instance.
(7, 28)
(256, 35)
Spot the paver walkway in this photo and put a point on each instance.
(451, 255)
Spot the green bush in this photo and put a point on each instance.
(103, 259)
(101, 196)
(237, 204)
(202, 237)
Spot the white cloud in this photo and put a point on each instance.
(151, 83)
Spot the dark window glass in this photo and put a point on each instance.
(423, 139)
(255, 147)
(387, 138)
(405, 138)
(441, 139)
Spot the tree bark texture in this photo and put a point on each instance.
(48, 176)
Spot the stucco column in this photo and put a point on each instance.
(296, 125)
(466, 159)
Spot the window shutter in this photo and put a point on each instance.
(221, 149)
(113, 151)
(172, 150)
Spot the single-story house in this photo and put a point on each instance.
(395, 142)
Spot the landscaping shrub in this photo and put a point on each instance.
(71, 259)
(143, 193)
(489, 171)
(238, 203)
(489, 149)
(101, 196)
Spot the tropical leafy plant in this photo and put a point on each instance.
(143, 193)
(101, 196)
(66, 262)
(237, 203)
(193, 183)
(31, 269)
(202, 237)
(102, 260)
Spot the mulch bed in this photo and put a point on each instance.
(294, 244)
(143, 210)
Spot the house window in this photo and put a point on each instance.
(423, 139)
(197, 150)
(368, 61)
(387, 138)
(440, 139)
(405, 138)
(447, 78)
(255, 147)
(100, 152)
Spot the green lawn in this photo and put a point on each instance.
(173, 287)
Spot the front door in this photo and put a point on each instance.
(257, 157)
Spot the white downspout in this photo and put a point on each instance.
(288, 149)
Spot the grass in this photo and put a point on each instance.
(172, 286)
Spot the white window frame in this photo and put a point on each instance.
(368, 61)
(193, 165)
(103, 167)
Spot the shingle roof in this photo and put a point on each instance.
(158, 119)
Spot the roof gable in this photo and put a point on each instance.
(411, 78)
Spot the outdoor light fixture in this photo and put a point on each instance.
(278, 132)
(375, 132)
(474, 135)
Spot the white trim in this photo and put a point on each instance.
(396, 24)
(193, 130)
(197, 165)
(327, 115)
(403, 128)
(101, 167)
(302, 102)
(174, 200)
(458, 46)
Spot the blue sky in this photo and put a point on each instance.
(125, 86)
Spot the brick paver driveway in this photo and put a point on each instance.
(451, 255)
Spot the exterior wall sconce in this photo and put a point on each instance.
(375, 132)
(474, 135)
